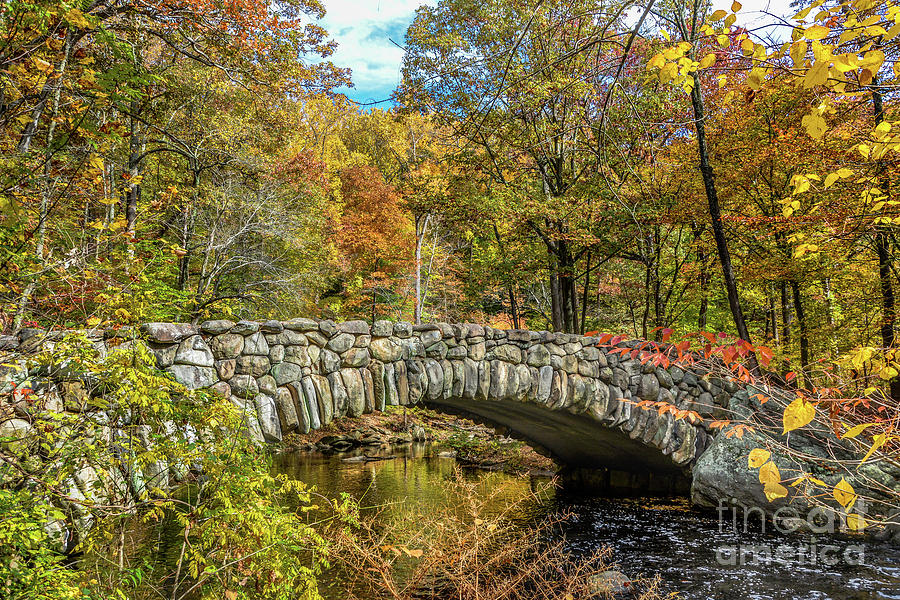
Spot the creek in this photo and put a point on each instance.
(690, 551)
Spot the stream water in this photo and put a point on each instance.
(690, 551)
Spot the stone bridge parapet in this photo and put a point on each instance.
(561, 392)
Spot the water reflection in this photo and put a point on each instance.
(649, 536)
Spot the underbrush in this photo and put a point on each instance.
(476, 546)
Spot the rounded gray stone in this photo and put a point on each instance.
(341, 342)
(256, 344)
(215, 327)
(227, 345)
(245, 327)
(194, 351)
(254, 366)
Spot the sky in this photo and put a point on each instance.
(366, 30)
(363, 30)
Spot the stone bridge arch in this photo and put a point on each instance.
(558, 391)
(561, 392)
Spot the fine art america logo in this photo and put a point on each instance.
(801, 550)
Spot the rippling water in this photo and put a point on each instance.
(648, 536)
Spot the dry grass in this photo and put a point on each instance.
(473, 547)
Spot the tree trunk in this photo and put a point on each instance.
(584, 295)
(829, 311)
(187, 232)
(771, 315)
(786, 315)
(136, 148)
(804, 333)
(556, 304)
(421, 228)
(507, 277)
(702, 260)
(715, 214)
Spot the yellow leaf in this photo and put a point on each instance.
(42, 65)
(817, 75)
(887, 373)
(798, 53)
(665, 34)
(855, 431)
(830, 179)
(864, 150)
(668, 72)
(797, 414)
(872, 60)
(754, 81)
(774, 491)
(845, 173)
(816, 32)
(718, 15)
(76, 18)
(657, 62)
(815, 125)
(810, 479)
(801, 184)
(758, 458)
(708, 61)
(729, 21)
(844, 493)
(878, 441)
(748, 46)
(855, 522)
(769, 473)
(735, 6)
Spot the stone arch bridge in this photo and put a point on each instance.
(563, 393)
(560, 392)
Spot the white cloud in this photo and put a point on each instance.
(363, 30)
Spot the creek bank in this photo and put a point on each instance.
(471, 444)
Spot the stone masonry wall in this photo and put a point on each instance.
(300, 374)
(573, 397)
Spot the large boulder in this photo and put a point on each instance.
(227, 345)
(193, 377)
(256, 344)
(194, 351)
(216, 327)
(168, 332)
(13, 434)
(287, 372)
(267, 412)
